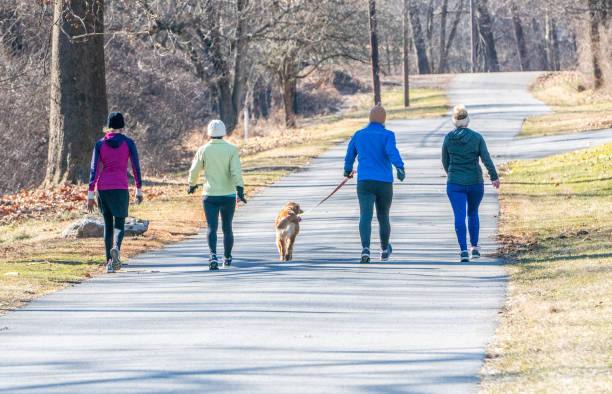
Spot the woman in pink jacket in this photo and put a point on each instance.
(109, 173)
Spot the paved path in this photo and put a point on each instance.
(322, 323)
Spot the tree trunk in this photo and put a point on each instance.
(288, 85)
(406, 45)
(473, 35)
(519, 35)
(241, 44)
(429, 29)
(552, 44)
(594, 22)
(419, 41)
(214, 37)
(451, 36)
(78, 106)
(485, 25)
(443, 14)
(374, 52)
(539, 47)
(226, 105)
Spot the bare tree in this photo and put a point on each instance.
(78, 106)
(519, 35)
(485, 29)
(598, 15)
(419, 40)
(406, 46)
(374, 51)
(215, 36)
(447, 42)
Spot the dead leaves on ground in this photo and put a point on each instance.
(50, 201)
(28, 204)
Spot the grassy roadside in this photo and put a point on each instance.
(35, 260)
(555, 333)
(575, 108)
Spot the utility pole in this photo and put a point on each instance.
(406, 49)
(374, 52)
(473, 34)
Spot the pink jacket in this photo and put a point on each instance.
(112, 153)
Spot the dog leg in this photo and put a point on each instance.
(290, 243)
(281, 248)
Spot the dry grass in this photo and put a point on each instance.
(555, 333)
(576, 108)
(44, 262)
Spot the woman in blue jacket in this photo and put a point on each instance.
(375, 149)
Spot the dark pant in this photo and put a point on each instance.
(462, 197)
(213, 205)
(114, 229)
(372, 193)
(114, 207)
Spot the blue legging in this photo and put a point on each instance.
(462, 197)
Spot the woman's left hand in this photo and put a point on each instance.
(138, 199)
(495, 183)
(91, 203)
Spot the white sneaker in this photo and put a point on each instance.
(109, 267)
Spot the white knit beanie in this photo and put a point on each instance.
(216, 128)
(460, 116)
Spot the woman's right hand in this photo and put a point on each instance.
(91, 204)
(496, 183)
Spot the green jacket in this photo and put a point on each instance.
(461, 150)
(221, 164)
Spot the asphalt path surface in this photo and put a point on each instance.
(322, 323)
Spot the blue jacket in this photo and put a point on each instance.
(375, 148)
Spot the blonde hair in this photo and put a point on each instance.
(460, 112)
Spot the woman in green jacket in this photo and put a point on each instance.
(461, 152)
(223, 185)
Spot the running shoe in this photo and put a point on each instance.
(109, 267)
(213, 265)
(465, 256)
(115, 259)
(475, 252)
(384, 254)
(227, 261)
(365, 256)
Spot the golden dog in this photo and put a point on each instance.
(287, 228)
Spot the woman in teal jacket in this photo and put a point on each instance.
(461, 151)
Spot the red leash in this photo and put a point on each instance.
(335, 190)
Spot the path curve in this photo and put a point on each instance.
(419, 323)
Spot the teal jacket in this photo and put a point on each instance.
(461, 151)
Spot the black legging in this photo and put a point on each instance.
(226, 206)
(114, 229)
(372, 193)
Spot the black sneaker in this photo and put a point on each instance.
(115, 258)
(384, 254)
(475, 252)
(365, 256)
(227, 261)
(213, 265)
(465, 256)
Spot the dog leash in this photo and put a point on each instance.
(332, 193)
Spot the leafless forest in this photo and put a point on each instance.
(170, 65)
